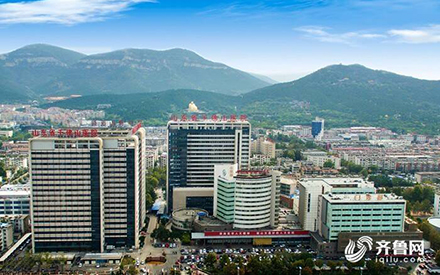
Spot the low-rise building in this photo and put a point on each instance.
(14, 201)
(318, 158)
(310, 190)
(360, 213)
(424, 176)
(194, 197)
(183, 219)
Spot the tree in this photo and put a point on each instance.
(329, 164)
(307, 271)
(211, 260)
(230, 269)
(331, 264)
(186, 238)
(132, 270)
(224, 261)
(309, 262)
(364, 173)
(437, 257)
(297, 155)
(319, 263)
(161, 233)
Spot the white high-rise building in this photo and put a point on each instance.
(436, 212)
(248, 199)
(88, 189)
(195, 146)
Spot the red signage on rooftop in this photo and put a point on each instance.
(65, 133)
(194, 117)
(136, 128)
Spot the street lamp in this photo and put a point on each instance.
(238, 270)
(300, 268)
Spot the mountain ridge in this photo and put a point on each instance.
(345, 95)
(40, 70)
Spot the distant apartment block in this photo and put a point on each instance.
(263, 146)
(318, 158)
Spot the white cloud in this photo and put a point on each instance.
(429, 34)
(323, 34)
(66, 12)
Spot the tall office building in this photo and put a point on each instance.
(87, 189)
(318, 128)
(195, 146)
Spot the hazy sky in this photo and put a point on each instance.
(280, 39)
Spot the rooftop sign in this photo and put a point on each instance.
(65, 133)
(231, 118)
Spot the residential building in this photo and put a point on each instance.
(14, 201)
(318, 158)
(424, 176)
(6, 133)
(88, 189)
(263, 146)
(195, 146)
(6, 235)
(152, 155)
(360, 213)
(260, 159)
(163, 160)
(21, 223)
(248, 199)
(310, 190)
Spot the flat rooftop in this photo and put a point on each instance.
(189, 213)
(363, 198)
(208, 220)
(333, 181)
(5, 194)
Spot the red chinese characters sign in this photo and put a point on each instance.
(136, 128)
(214, 117)
(65, 133)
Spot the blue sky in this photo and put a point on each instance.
(280, 39)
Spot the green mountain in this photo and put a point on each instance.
(40, 70)
(344, 95)
(351, 95)
(25, 72)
